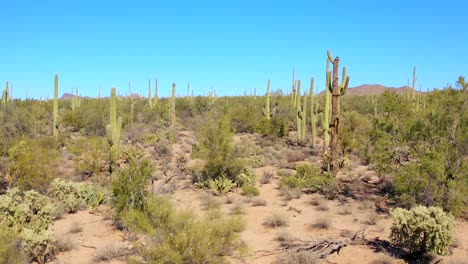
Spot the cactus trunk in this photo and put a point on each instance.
(113, 131)
(266, 108)
(56, 114)
(313, 113)
(173, 115)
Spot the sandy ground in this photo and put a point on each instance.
(262, 241)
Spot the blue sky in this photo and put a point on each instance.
(228, 45)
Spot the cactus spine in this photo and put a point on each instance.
(266, 108)
(113, 131)
(337, 90)
(56, 114)
(173, 115)
(75, 101)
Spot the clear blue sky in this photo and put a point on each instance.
(231, 45)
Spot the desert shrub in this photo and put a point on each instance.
(307, 177)
(238, 209)
(216, 148)
(92, 154)
(290, 193)
(108, 251)
(94, 195)
(126, 154)
(31, 163)
(276, 127)
(428, 184)
(423, 229)
(10, 248)
(30, 214)
(75, 227)
(276, 219)
(259, 201)
(285, 237)
(267, 176)
(301, 257)
(130, 186)
(15, 123)
(65, 243)
(209, 202)
(181, 237)
(323, 222)
(250, 190)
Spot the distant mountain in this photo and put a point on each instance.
(368, 89)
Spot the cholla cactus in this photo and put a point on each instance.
(423, 229)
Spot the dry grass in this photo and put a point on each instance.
(323, 222)
(284, 237)
(384, 259)
(230, 198)
(290, 193)
(238, 209)
(209, 202)
(372, 218)
(258, 201)
(65, 243)
(109, 251)
(276, 219)
(267, 176)
(366, 205)
(345, 210)
(294, 257)
(75, 228)
(320, 202)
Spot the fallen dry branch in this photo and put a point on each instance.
(323, 248)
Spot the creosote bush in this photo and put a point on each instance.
(423, 229)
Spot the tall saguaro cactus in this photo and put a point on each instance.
(75, 101)
(266, 108)
(337, 90)
(313, 112)
(299, 113)
(326, 110)
(173, 115)
(6, 96)
(56, 113)
(293, 91)
(113, 131)
(153, 101)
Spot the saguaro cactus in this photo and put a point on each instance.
(153, 101)
(299, 113)
(266, 107)
(173, 115)
(113, 131)
(304, 116)
(413, 89)
(313, 112)
(293, 91)
(6, 95)
(56, 113)
(337, 90)
(75, 101)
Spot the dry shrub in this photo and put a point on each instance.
(108, 251)
(323, 222)
(302, 257)
(258, 201)
(276, 219)
(209, 202)
(65, 243)
(290, 193)
(75, 228)
(267, 176)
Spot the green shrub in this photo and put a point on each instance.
(307, 177)
(250, 190)
(423, 229)
(92, 156)
(10, 250)
(31, 163)
(181, 237)
(217, 149)
(129, 188)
